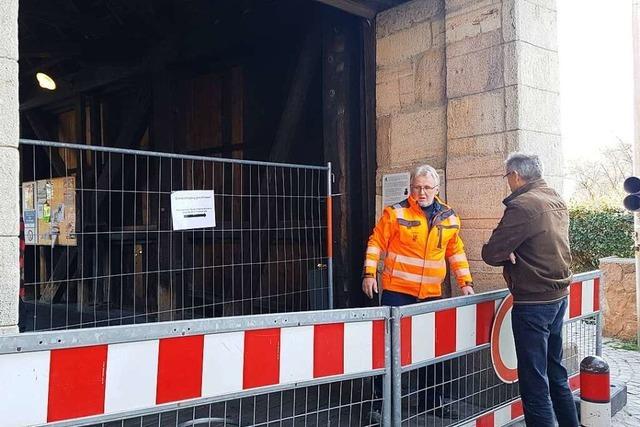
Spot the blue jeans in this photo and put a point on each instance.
(537, 330)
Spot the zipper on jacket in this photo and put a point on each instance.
(440, 228)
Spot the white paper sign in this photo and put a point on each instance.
(395, 188)
(192, 209)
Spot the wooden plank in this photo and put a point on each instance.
(354, 7)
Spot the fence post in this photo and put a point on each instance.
(329, 237)
(388, 360)
(396, 369)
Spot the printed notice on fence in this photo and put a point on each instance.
(192, 209)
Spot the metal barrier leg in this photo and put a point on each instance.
(396, 369)
(387, 389)
(599, 334)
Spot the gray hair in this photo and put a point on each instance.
(528, 166)
(426, 170)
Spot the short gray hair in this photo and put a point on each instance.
(528, 166)
(426, 170)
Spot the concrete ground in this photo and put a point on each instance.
(624, 365)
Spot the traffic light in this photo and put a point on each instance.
(632, 201)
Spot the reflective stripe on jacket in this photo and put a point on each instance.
(416, 251)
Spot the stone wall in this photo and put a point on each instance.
(411, 104)
(9, 167)
(483, 83)
(619, 297)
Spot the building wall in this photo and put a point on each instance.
(460, 84)
(9, 167)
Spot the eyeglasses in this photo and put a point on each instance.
(507, 174)
(420, 189)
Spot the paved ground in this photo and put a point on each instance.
(625, 368)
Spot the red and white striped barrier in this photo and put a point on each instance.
(424, 337)
(584, 298)
(509, 413)
(63, 384)
(427, 336)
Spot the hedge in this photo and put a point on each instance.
(599, 233)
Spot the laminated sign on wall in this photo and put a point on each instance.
(192, 209)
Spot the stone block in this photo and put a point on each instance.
(9, 29)
(458, 6)
(418, 134)
(383, 141)
(407, 15)
(475, 72)
(404, 44)
(619, 292)
(531, 66)
(473, 239)
(438, 32)
(9, 104)
(467, 24)
(480, 42)
(530, 22)
(487, 282)
(532, 109)
(459, 167)
(476, 114)
(430, 78)
(10, 280)
(477, 197)
(9, 188)
(477, 145)
(547, 146)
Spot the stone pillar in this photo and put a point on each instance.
(618, 293)
(411, 104)
(9, 167)
(502, 96)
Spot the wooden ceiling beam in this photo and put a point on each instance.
(354, 7)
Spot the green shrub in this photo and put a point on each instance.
(599, 233)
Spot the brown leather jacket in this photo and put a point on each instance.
(535, 227)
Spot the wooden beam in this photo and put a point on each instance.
(42, 130)
(354, 7)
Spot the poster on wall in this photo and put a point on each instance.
(49, 212)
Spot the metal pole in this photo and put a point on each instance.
(636, 148)
(599, 334)
(329, 237)
(386, 386)
(396, 369)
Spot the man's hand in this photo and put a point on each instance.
(369, 286)
(512, 258)
(467, 290)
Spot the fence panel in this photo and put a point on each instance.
(315, 368)
(101, 249)
(443, 371)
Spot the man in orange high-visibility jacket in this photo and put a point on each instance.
(418, 236)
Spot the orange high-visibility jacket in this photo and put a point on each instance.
(416, 251)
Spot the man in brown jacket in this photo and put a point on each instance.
(531, 243)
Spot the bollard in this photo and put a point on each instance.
(595, 392)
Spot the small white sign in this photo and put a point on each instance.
(395, 188)
(192, 209)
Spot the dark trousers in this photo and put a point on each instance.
(537, 330)
(432, 397)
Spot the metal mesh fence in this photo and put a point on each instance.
(344, 403)
(101, 250)
(453, 391)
